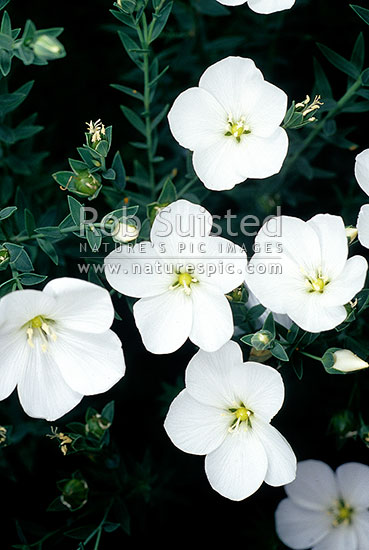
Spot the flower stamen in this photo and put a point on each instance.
(242, 414)
(237, 128)
(40, 327)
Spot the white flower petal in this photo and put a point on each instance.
(269, 110)
(14, 358)
(194, 427)
(42, 390)
(134, 271)
(259, 387)
(218, 165)
(333, 242)
(300, 528)
(212, 321)
(197, 119)
(262, 157)
(20, 306)
(351, 280)
(238, 467)
(164, 321)
(363, 225)
(361, 526)
(353, 483)
(341, 538)
(208, 375)
(315, 486)
(178, 222)
(235, 82)
(362, 170)
(232, 2)
(270, 6)
(310, 313)
(89, 363)
(76, 300)
(281, 458)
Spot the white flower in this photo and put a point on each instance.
(224, 413)
(346, 361)
(362, 177)
(261, 6)
(305, 271)
(326, 510)
(280, 318)
(182, 277)
(231, 122)
(56, 346)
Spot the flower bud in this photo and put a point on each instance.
(125, 233)
(4, 257)
(74, 493)
(97, 425)
(86, 184)
(346, 361)
(262, 339)
(47, 47)
(351, 234)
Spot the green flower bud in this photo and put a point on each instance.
(4, 257)
(74, 493)
(97, 425)
(47, 47)
(86, 184)
(262, 340)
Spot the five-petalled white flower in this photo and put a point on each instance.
(231, 122)
(261, 6)
(224, 413)
(362, 177)
(326, 510)
(305, 271)
(182, 277)
(56, 346)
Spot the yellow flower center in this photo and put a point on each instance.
(316, 282)
(40, 327)
(184, 280)
(242, 415)
(237, 128)
(342, 513)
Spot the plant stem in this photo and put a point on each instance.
(312, 356)
(21, 239)
(187, 187)
(318, 127)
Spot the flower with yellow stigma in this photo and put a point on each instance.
(326, 510)
(307, 274)
(231, 122)
(57, 346)
(224, 412)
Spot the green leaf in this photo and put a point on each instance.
(168, 193)
(134, 119)
(118, 167)
(108, 411)
(49, 250)
(75, 208)
(94, 238)
(7, 211)
(30, 279)
(51, 232)
(129, 91)
(358, 53)
(361, 12)
(7, 287)
(9, 102)
(339, 62)
(6, 41)
(19, 257)
(29, 222)
(159, 117)
(3, 3)
(6, 26)
(160, 21)
(131, 48)
(210, 8)
(279, 352)
(269, 324)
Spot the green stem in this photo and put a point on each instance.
(98, 531)
(318, 127)
(312, 356)
(186, 187)
(21, 239)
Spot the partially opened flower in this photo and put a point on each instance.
(302, 270)
(56, 346)
(261, 6)
(362, 177)
(182, 277)
(232, 124)
(326, 510)
(224, 413)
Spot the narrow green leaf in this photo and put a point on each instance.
(49, 250)
(361, 12)
(30, 279)
(134, 119)
(118, 167)
(7, 211)
(129, 91)
(159, 21)
(131, 48)
(75, 208)
(339, 62)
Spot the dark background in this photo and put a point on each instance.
(172, 498)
